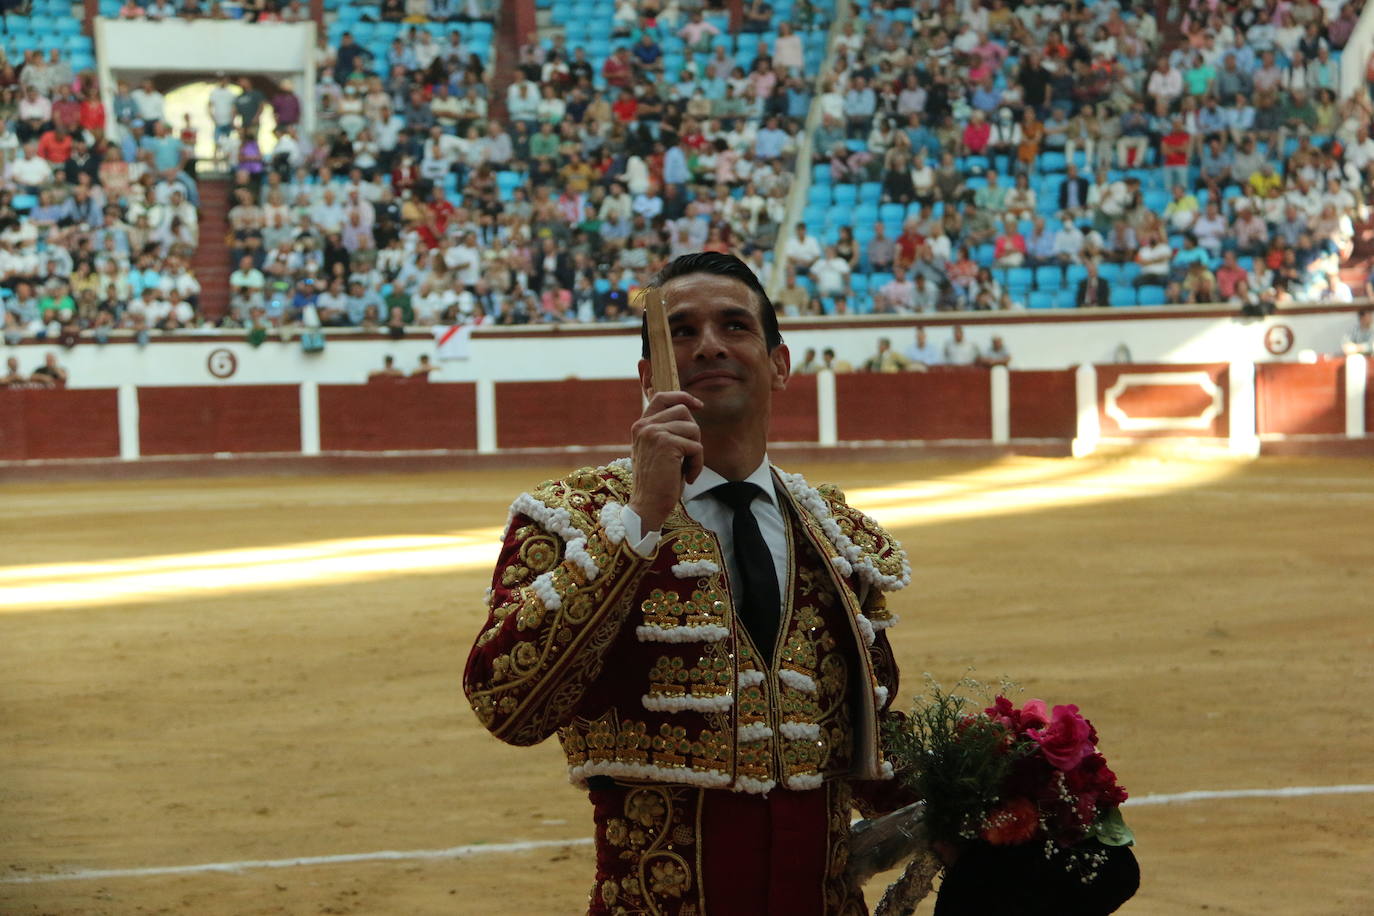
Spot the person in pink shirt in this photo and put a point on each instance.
(1010, 248)
(698, 32)
(976, 134)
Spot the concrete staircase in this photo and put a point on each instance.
(211, 262)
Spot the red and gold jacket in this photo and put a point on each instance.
(641, 667)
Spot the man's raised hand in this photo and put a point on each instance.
(666, 448)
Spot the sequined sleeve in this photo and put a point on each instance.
(559, 598)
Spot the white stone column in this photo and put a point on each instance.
(486, 416)
(1089, 431)
(1000, 393)
(1240, 384)
(827, 423)
(1356, 390)
(128, 422)
(310, 418)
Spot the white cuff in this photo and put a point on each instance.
(635, 538)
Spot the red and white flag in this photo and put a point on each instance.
(454, 341)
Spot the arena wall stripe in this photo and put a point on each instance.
(460, 852)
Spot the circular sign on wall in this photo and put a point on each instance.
(222, 363)
(1278, 340)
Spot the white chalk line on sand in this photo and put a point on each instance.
(459, 852)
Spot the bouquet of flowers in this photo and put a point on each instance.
(1003, 788)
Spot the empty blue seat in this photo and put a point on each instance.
(845, 195)
(1074, 274)
(1020, 277)
(1109, 271)
(870, 191)
(1151, 295)
(1041, 299)
(890, 213)
(1051, 161)
(1048, 277)
(1122, 295)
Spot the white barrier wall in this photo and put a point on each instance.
(597, 352)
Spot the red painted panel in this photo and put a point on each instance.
(64, 423)
(1369, 398)
(1044, 404)
(402, 415)
(1300, 398)
(571, 412)
(221, 418)
(794, 412)
(1161, 400)
(940, 404)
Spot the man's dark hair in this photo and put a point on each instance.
(722, 265)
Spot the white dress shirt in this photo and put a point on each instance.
(718, 518)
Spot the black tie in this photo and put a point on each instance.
(761, 605)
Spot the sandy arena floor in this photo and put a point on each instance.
(198, 673)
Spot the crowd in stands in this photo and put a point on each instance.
(973, 156)
(968, 155)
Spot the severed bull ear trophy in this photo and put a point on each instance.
(662, 362)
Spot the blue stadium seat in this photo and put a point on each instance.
(1051, 161)
(1074, 274)
(983, 254)
(1041, 299)
(1151, 295)
(845, 195)
(892, 213)
(1109, 271)
(870, 191)
(1020, 278)
(1122, 295)
(1049, 277)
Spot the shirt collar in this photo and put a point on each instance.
(708, 480)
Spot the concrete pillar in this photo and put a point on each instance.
(486, 416)
(826, 417)
(1240, 382)
(310, 418)
(1356, 390)
(1089, 431)
(1000, 393)
(128, 422)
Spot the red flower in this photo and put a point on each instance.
(1032, 715)
(1067, 739)
(1012, 823)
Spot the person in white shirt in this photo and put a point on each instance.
(831, 274)
(959, 351)
(149, 103)
(801, 250)
(221, 106)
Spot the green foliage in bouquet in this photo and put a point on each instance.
(957, 762)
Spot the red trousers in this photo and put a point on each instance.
(682, 851)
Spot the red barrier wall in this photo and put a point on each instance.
(940, 404)
(220, 418)
(572, 412)
(1301, 398)
(1159, 400)
(73, 423)
(1044, 404)
(1368, 398)
(398, 415)
(794, 412)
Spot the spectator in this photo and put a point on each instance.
(886, 359)
(960, 351)
(996, 355)
(922, 354)
(51, 374)
(801, 250)
(1360, 339)
(1093, 291)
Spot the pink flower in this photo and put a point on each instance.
(1032, 715)
(1067, 739)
